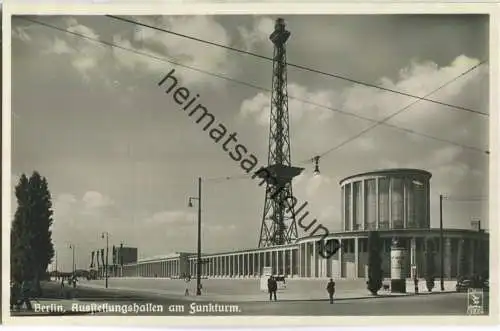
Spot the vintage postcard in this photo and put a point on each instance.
(250, 161)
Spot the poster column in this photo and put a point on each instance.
(398, 257)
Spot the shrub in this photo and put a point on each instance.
(374, 282)
(430, 267)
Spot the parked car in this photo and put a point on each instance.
(464, 284)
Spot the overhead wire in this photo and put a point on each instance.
(336, 147)
(301, 67)
(377, 123)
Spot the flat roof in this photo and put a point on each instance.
(347, 235)
(394, 171)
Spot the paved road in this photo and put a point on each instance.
(442, 304)
(437, 305)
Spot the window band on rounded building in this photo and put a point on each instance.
(394, 202)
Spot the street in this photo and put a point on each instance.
(435, 304)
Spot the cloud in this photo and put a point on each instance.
(424, 117)
(95, 200)
(21, 33)
(178, 49)
(178, 218)
(315, 131)
(85, 56)
(258, 34)
(259, 108)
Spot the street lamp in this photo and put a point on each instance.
(56, 274)
(316, 165)
(106, 260)
(72, 247)
(198, 267)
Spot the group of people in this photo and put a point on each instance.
(71, 281)
(272, 287)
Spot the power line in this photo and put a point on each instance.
(316, 71)
(396, 113)
(250, 85)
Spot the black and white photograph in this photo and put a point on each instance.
(240, 164)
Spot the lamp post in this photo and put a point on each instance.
(72, 247)
(441, 245)
(106, 259)
(198, 262)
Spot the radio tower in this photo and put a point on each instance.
(278, 221)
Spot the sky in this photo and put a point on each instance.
(120, 157)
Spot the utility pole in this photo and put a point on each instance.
(198, 270)
(198, 258)
(72, 247)
(106, 259)
(441, 241)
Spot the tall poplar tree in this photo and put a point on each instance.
(375, 274)
(430, 266)
(32, 249)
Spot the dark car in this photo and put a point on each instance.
(464, 284)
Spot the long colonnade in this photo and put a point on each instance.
(303, 259)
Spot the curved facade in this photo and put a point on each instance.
(394, 201)
(385, 200)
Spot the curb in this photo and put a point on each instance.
(214, 298)
(361, 298)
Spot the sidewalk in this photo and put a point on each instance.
(248, 290)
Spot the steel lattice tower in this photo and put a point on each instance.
(278, 221)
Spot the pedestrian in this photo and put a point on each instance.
(186, 292)
(25, 294)
(272, 287)
(62, 288)
(415, 282)
(330, 288)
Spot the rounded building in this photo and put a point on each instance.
(395, 202)
(386, 200)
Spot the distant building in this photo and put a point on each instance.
(128, 254)
(394, 202)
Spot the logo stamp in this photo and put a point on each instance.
(475, 301)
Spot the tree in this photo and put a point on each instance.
(374, 263)
(20, 236)
(32, 249)
(430, 266)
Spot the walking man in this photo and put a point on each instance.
(272, 287)
(62, 289)
(186, 292)
(330, 288)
